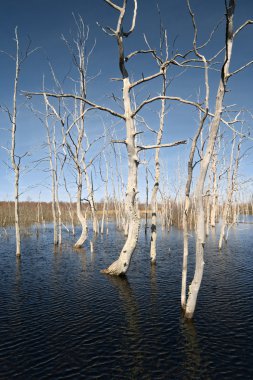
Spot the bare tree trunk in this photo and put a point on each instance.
(16, 165)
(232, 176)
(146, 206)
(58, 214)
(200, 217)
(214, 191)
(54, 209)
(228, 199)
(207, 213)
(79, 212)
(56, 182)
(186, 209)
(17, 228)
(69, 206)
(157, 172)
(91, 202)
(121, 265)
(52, 169)
(105, 205)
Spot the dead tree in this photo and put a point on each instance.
(53, 169)
(214, 195)
(106, 197)
(225, 74)
(70, 203)
(232, 172)
(155, 189)
(74, 134)
(81, 60)
(16, 159)
(121, 265)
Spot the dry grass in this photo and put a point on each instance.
(34, 212)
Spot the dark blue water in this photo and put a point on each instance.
(61, 319)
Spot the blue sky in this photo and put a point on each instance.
(44, 21)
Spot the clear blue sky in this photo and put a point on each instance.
(44, 21)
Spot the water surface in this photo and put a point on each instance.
(61, 319)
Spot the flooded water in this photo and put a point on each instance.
(61, 319)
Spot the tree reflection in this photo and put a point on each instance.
(194, 363)
(18, 271)
(131, 336)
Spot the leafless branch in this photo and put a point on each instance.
(115, 6)
(76, 97)
(241, 68)
(131, 55)
(248, 22)
(175, 98)
(118, 141)
(145, 147)
(146, 79)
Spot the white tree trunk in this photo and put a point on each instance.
(187, 208)
(207, 214)
(153, 237)
(214, 192)
(14, 160)
(214, 127)
(17, 228)
(231, 183)
(81, 217)
(91, 202)
(105, 205)
(121, 265)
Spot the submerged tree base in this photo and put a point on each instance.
(153, 261)
(117, 268)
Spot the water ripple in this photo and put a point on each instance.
(61, 319)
